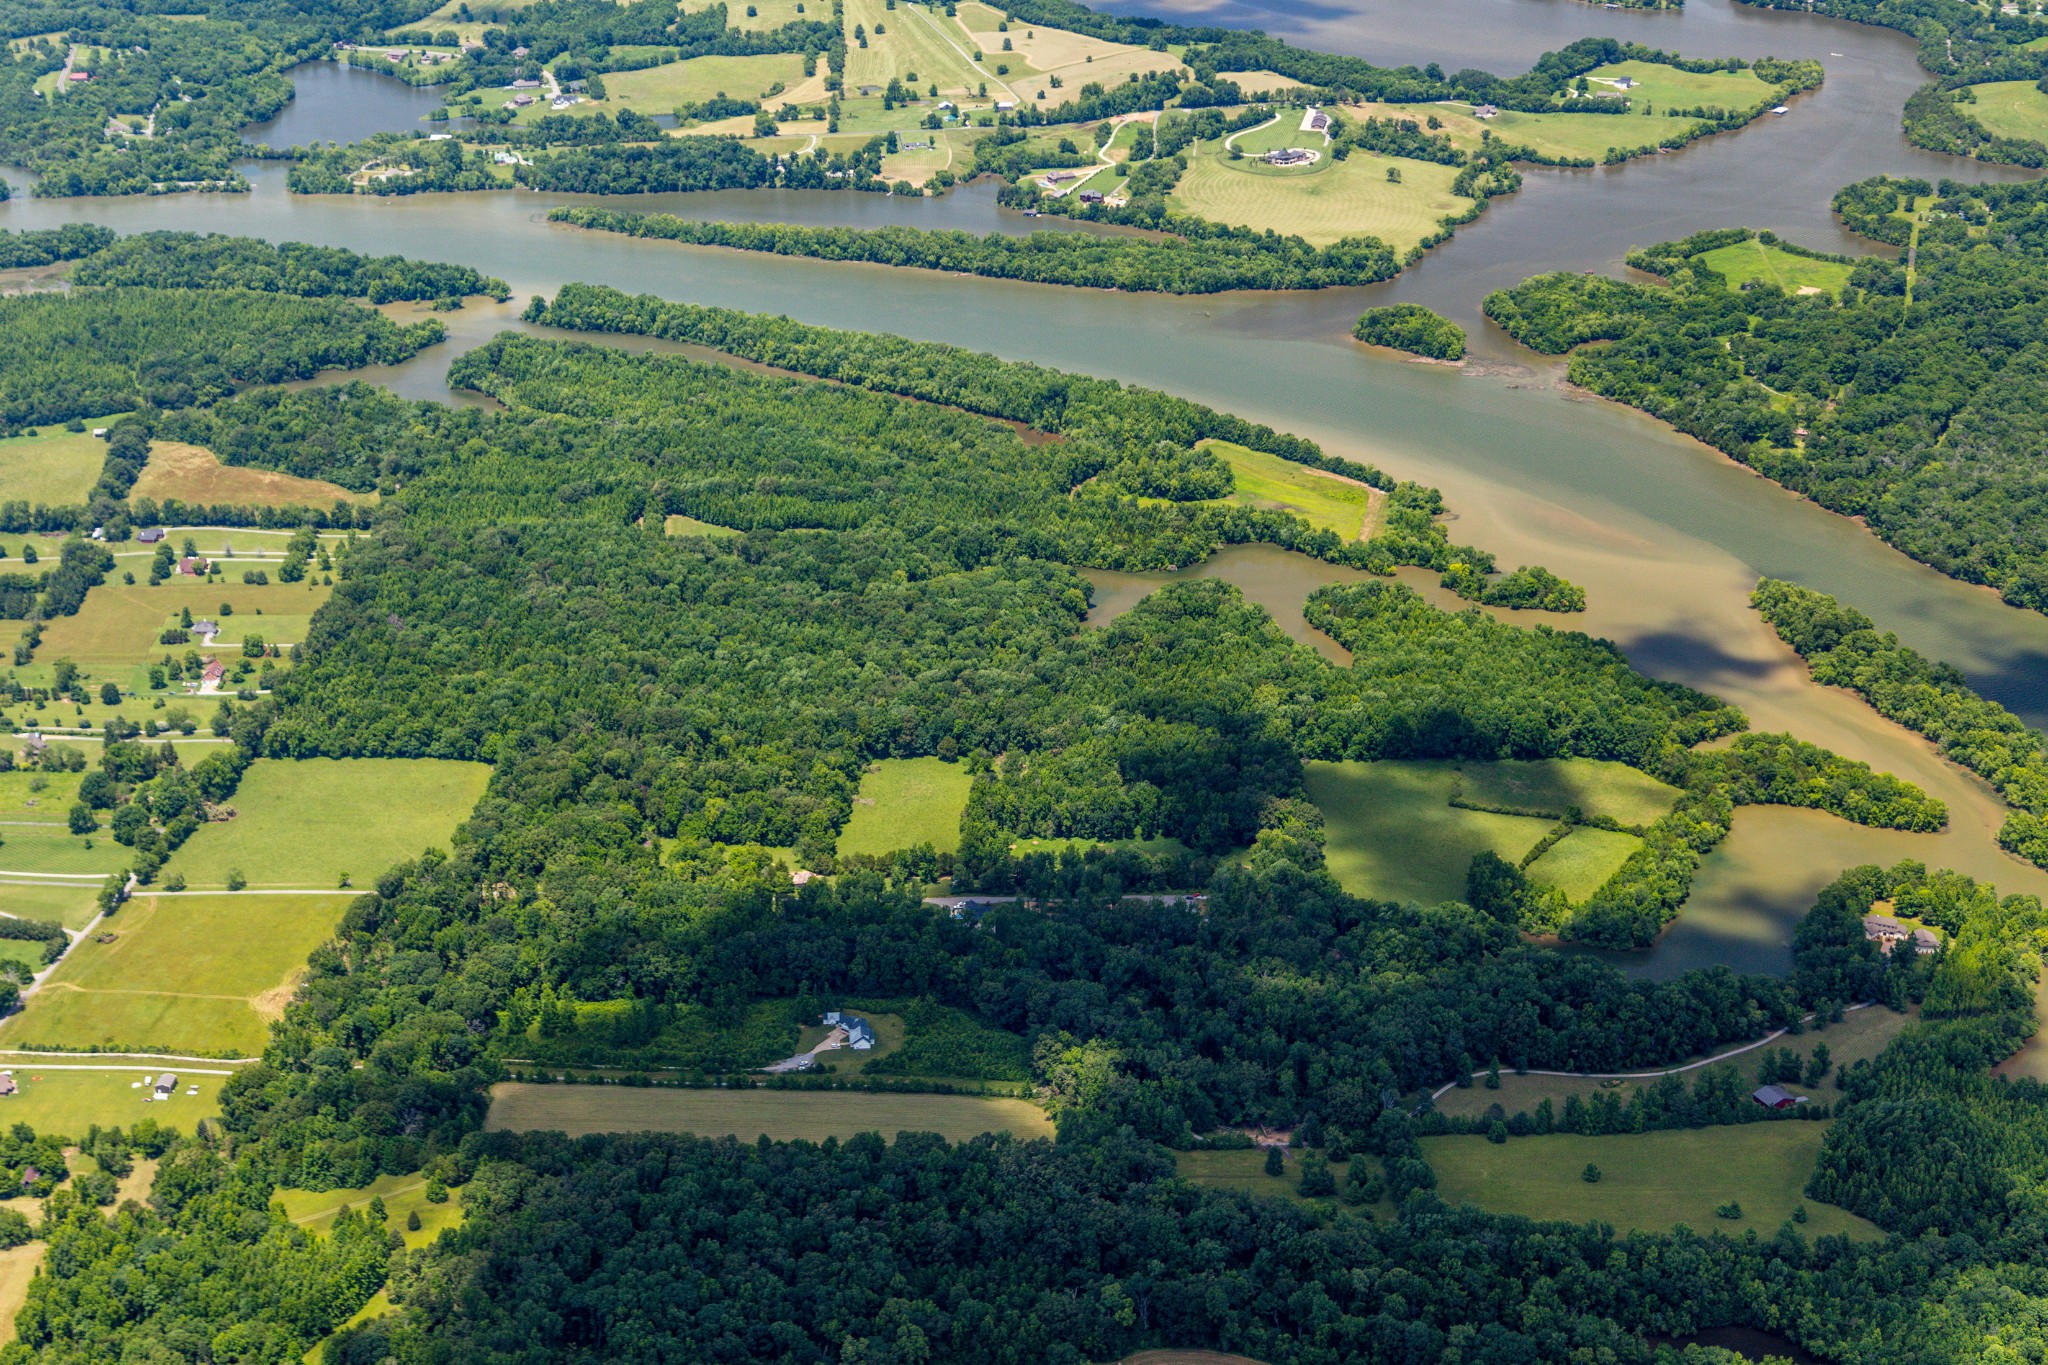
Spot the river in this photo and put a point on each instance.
(1667, 536)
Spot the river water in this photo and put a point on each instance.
(1667, 536)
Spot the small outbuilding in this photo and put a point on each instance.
(1926, 941)
(166, 1085)
(7, 1086)
(1777, 1097)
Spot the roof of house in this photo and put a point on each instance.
(167, 1081)
(1926, 938)
(151, 536)
(1774, 1095)
(1874, 923)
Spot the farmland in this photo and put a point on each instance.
(195, 475)
(306, 822)
(1582, 862)
(1325, 202)
(915, 47)
(115, 635)
(69, 903)
(194, 974)
(658, 89)
(1649, 1181)
(905, 802)
(781, 1114)
(1039, 53)
(1549, 786)
(54, 466)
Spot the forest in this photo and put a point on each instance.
(1922, 418)
(187, 260)
(1413, 328)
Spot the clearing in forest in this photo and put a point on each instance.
(116, 635)
(184, 974)
(1326, 201)
(193, 474)
(1743, 262)
(1650, 1182)
(316, 1210)
(904, 802)
(54, 467)
(784, 1115)
(2015, 109)
(1550, 786)
(305, 822)
(1324, 500)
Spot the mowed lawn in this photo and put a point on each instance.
(193, 974)
(1326, 501)
(194, 474)
(2010, 109)
(747, 1113)
(1326, 202)
(658, 89)
(1393, 834)
(69, 1102)
(904, 802)
(305, 822)
(1649, 1182)
(54, 466)
(1548, 786)
(1752, 260)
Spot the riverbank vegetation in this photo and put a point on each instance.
(1411, 327)
(1908, 400)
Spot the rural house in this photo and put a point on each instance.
(1883, 930)
(1485, 111)
(204, 628)
(195, 565)
(1777, 1097)
(151, 536)
(166, 1085)
(213, 675)
(860, 1034)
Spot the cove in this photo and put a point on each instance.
(1667, 536)
(338, 103)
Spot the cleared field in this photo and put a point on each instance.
(26, 795)
(40, 851)
(1325, 202)
(1244, 1171)
(1549, 786)
(1752, 260)
(679, 525)
(316, 1210)
(1582, 862)
(781, 1114)
(114, 636)
(914, 47)
(1649, 1181)
(658, 89)
(1326, 501)
(195, 974)
(1038, 53)
(905, 802)
(768, 14)
(1861, 1035)
(2010, 109)
(193, 474)
(1159, 847)
(54, 466)
(1394, 835)
(70, 1102)
(1260, 82)
(71, 904)
(17, 1269)
(305, 822)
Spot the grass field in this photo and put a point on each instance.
(38, 851)
(904, 802)
(1861, 1035)
(114, 636)
(54, 466)
(1326, 501)
(1260, 82)
(1159, 847)
(71, 904)
(658, 89)
(914, 48)
(194, 974)
(193, 474)
(316, 1210)
(17, 1269)
(2010, 109)
(1650, 1181)
(1325, 202)
(1038, 53)
(1394, 835)
(27, 795)
(1548, 786)
(70, 1102)
(1245, 1171)
(768, 14)
(1582, 862)
(1752, 260)
(781, 1114)
(679, 525)
(304, 822)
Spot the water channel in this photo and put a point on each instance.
(1667, 536)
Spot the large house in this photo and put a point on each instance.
(1884, 931)
(860, 1034)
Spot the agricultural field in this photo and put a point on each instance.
(659, 89)
(917, 47)
(71, 904)
(69, 1096)
(195, 475)
(904, 802)
(1326, 501)
(1860, 1036)
(316, 1210)
(54, 466)
(17, 1269)
(114, 637)
(1583, 861)
(1394, 835)
(1324, 202)
(305, 822)
(37, 796)
(55, 852)
(2015, 109)
(767, 15)
(1548, 786)
(1649, 1182)
(1752, 260)
(1256, 83)
(746, 1114)
(203, 975)
(1039, 53)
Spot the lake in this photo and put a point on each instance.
(1667, 536)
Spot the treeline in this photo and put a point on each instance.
(1201, 264)
(1922, 420)
(1411, 327)
(47, 246)
(1843, 648)
(185, 260)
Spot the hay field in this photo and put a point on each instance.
(781, 1114)
(1394, 836)
(193, 474)
(1548, 786)
(914, 43)
(1583, 861)
(54, 466)
(1325, 202)
(658, 89)
(1324, 500)
(904, 802)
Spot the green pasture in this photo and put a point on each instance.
(1752, 260)
(1549, 786)
(658, 89)
(71, 904)
(41, 851)
(1661, 86)
(1324, 202)
(768, 14)
(679, 525)
(747, 1113)
(2014, 109)
(316, 1210)
(1583, 861)
(115, 635)
(1860, 1036)
(54, 466)
(69, 1102)
(904, 802)
(914, 43)
(1393, 834)
(1324, 500)
(305, 822)
(1650, 1182)
(195, 974)
(26, 794)
(1244, 1172)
